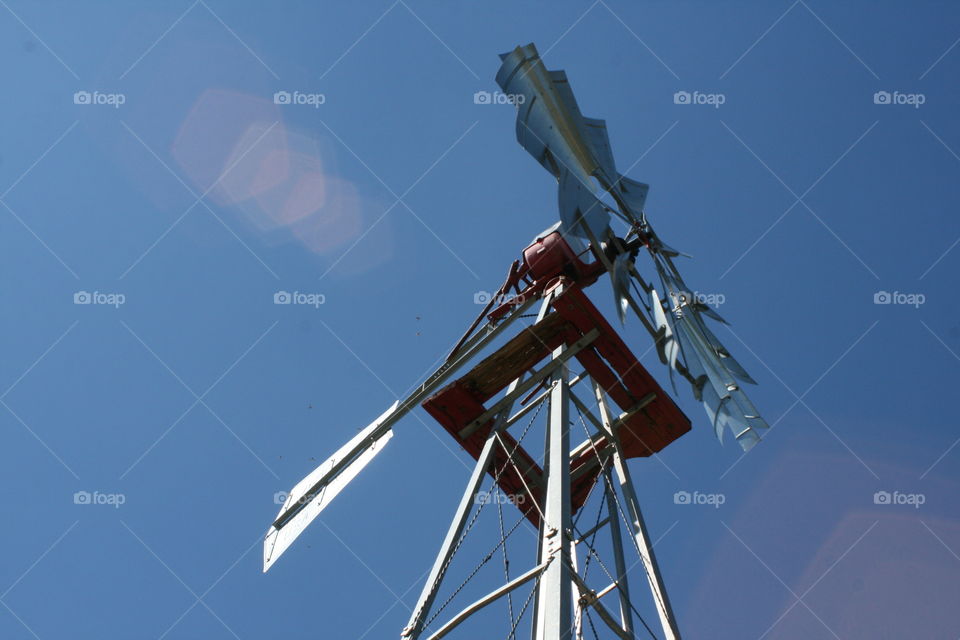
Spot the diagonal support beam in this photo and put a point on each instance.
(417, 620)
(616, 539)
(491, 597)
(588, 598)
(641, 537)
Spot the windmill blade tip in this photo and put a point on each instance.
(748, 439)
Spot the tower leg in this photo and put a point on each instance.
(554, 592)
(640, 536)
(626, 614)
(535, 610)
(578, 608)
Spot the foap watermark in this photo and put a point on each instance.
(484, 297)
(299, 97)
(497, 497)
(896, 97)
(897, 297)
(99, 297)
(298, 297)
(96, 497)
(898, 498)
(498, 97)
(710, 299)
(712, 499)
(281, 497)
(697, 97)
(99, 98)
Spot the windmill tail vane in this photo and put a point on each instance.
(478, 399)
(323, 484)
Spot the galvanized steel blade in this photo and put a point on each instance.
(633, 195)
(724, 400)
(596, 131)
(577, 200)
(728, 360)
(549, 123)
(686, 302)
(710, 365)
(552, 129)
(620, 280)
(667, 346)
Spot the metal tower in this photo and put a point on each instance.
(562, 597)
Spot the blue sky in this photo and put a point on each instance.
(180, 198)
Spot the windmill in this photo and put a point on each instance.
(624, 413)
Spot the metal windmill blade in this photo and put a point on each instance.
(668, 348)
(552, 129)
(620, 279)
(711, 368)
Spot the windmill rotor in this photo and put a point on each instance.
(577, 151)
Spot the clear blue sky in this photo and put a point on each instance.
(198, 398)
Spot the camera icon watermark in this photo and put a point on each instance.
(896, 97)
(100, 298)
(899, 298)
(98, 98)
(696, 97)
(898, 498)
(309, 299)
(698, 297)
(114, 500)
(498, 97)
(697, 498)
(281, 497)
(485, 297)
(299, 98)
